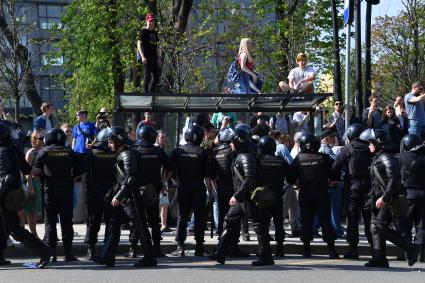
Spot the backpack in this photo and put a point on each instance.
(233, 72)
(358, 164)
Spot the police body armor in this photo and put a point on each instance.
(126, 165)
(222, 165)
(359, 160)
(272, 173)
(150, 163)
(384, 167)
(9, 173)
(412, 165)
(245, 165)
(313, 173)
(190, 167)
(58, 167)
(103, 170)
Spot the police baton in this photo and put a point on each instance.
(3, 223)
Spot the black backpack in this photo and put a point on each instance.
(359, 162)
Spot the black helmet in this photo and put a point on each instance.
(241, 136)
(354, 131)
(118, 135)
(12, 128)
(194, 134)
(147, 133)
(378, 137)
(4, 133)
(104, 134)
(410, 141)
(267, 145)
(225, 135)
(55, 136)
(309, 143)
(244, 127)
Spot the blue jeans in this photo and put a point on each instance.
(416, 130)
(336, 206)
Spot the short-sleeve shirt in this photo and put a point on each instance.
(376, 118)
(149, 39)
(415, 111)
(298, 74)
(81, 133)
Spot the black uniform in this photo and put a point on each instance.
(221, 163)
(313, 171)
(412, 163)
(356, 157)
(59, 165)
(128, 210)
(151, 159)
(273, 171)
(191, 164)
(385, 175)
(101, 178)
(12, 162)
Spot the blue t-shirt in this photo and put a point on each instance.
(81, 133)
(415, 111)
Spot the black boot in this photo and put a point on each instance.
(353, 252)
(146, 262)
(3, 261)
(132, 252)
(91, 252)
(70, 257)
(279, 250)
(422, 257)
(332, 252)
(379, 258)
(306, 250)
(413, 253)
(199, 250)
(158, 252)
(179, 251)
(265, 253)
(102, 261)
(53, 257)
(237, 252)
(377, 263)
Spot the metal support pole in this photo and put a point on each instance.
(347, 76)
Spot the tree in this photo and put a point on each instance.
(17, 74)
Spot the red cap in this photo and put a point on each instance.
(150, 17)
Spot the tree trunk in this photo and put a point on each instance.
(17, 109)
(181, 11)
(337, 61)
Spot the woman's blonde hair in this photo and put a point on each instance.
(34, 138)
(244, 47)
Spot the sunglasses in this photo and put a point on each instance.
(338, 103)
(68, 132)
(40, 138)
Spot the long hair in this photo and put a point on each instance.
(244, 47)
(384, 113)
(34, 138)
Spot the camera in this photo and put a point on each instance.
(102, 116)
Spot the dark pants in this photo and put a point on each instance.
(58, 201)
(381, 231)
(311, 203)
(232, 228)
(276, 211)
(191, 199)
(151, 76)
(152, 214)
(11, 221)
(357, 197)
(121, 215)
(96, 209)
(416, 216)
(223, 198)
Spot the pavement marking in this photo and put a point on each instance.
(313, 262)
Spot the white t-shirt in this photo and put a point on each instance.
(297, 74)
(48, 126)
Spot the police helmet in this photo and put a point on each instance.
(55, 136)
(240, 136)
(225, 135)
(12, 128)
(4, 134)
(194, 134)
(118, 135)
(147, 133)
(354, 131)
(410, 141)
(378, 137)
(309, 143)
(267, 145)
(104, 134)
(244, 127)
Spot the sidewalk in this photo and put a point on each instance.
(292, 245)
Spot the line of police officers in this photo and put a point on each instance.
(124, 181)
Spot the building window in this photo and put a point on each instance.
(45, 60)
(50, 90)
(50, 15)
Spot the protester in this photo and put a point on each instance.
(391, 124)
(45, 120)
(301, 79)
(415, 106)
(373, 114)
(67, 129)
(102, 119)
(83, 133)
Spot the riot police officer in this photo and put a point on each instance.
(101, 178)
(273, 171)
(153, 167)
(244, 173)
(192, 167)
(126, 202)
(313, 171)
(385, 178)
(356, 159)
(412, 162)
(12, 162)
(58, 166)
